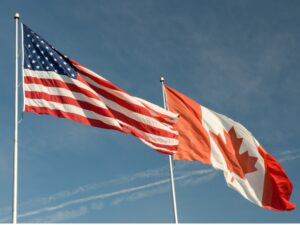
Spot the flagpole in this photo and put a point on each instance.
(170, 160)
(15, 152)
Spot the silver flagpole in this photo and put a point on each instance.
(170, 160)
(15, 153)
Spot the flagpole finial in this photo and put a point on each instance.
(162, 79)
(17, 16)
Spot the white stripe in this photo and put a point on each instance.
(71, 109)
(158, 148)
(173, 116)
(54, 76)
(152, 137)
(120, 94)
(138, 117)
(91, 73)
(64, 92)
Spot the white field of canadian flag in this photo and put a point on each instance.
(217, 140)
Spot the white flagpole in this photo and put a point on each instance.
(170, 160)
(15, 153)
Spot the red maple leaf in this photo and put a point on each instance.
(240, 164)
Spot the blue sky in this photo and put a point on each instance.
(239, 58)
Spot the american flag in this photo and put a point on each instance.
(58, 86)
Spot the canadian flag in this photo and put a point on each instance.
(215, 139)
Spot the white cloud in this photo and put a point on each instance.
(97, 205)
(288, 155)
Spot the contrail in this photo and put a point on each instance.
(89, 187)
(111, 194)
(62, 215)
(150, 173)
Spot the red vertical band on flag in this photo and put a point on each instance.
(194, 141)
(277, 186)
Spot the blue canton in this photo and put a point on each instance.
(39, 55)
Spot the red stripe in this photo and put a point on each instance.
(166, 119)
(277, 186)
(59, 84)
(70, 101)
(100, 81)
(137, 134)
(109, 113)
(70, 116)
(144, 127)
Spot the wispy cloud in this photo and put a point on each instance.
(62, 215)
(289, 155)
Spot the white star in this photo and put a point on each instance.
(60, 57)
(39, 57)
(42, 52)
(55, 59)
(47, 67)
(59, 65)
(55, 71)
(42, 42)
(46, 58)
(65, 63)
(28, 66)
(47, 47)
(43, 62)
(37, 67)
(68, 69)
(29, 56)
(51, 64)
(37, 45)
(33, 61)
(28, 35)
(29, 46)
(51, 53)
(37, 37)
(33, 51)
(32, 40)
